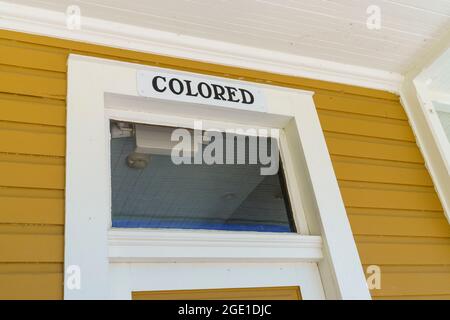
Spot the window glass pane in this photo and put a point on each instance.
(443, 111)
(150, 191)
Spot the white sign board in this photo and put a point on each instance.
(199, 89)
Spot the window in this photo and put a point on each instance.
(443, 111)
(432, 87)
(118, 261)
(152, 189)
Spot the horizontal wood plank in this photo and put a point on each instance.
(32, 110)
(48, 286)
(359, 105)
(32, 56)
(26, 210)
(33, 82)
(373, 171)
(391, 225)
(403, 280)
(406, 199)
(351, 146)
(263, 293)
(381, 250)
(32, 175)
(365, 126)
(31, 206)
(20, 243)
(28, 139)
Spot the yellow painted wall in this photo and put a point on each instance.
(262, 293)
(393, 208)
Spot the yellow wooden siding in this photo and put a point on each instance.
(32, 110)
(392, 206)
(391, 202)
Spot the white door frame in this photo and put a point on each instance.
(94, 84)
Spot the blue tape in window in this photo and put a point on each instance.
(119, 223)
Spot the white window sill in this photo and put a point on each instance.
(149, 245)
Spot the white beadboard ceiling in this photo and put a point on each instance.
(333, 30)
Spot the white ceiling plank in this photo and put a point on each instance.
(333, 30)
(264, 55)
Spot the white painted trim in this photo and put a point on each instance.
(158, 245)
(422, 117)
(332, 219)
(184, 276)
(419, 118)
(426, 100)
(88, 202)
(52, 23)
(293, 187)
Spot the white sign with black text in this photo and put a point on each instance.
(199, 89)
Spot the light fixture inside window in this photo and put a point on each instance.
(136, 160)
(150, 140)
(157, 140)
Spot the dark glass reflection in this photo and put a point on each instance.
(160, 194)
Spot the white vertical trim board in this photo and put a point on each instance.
(96, 89)
(427, 99)
(332, 219)
(416, 98)
(422, 117)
